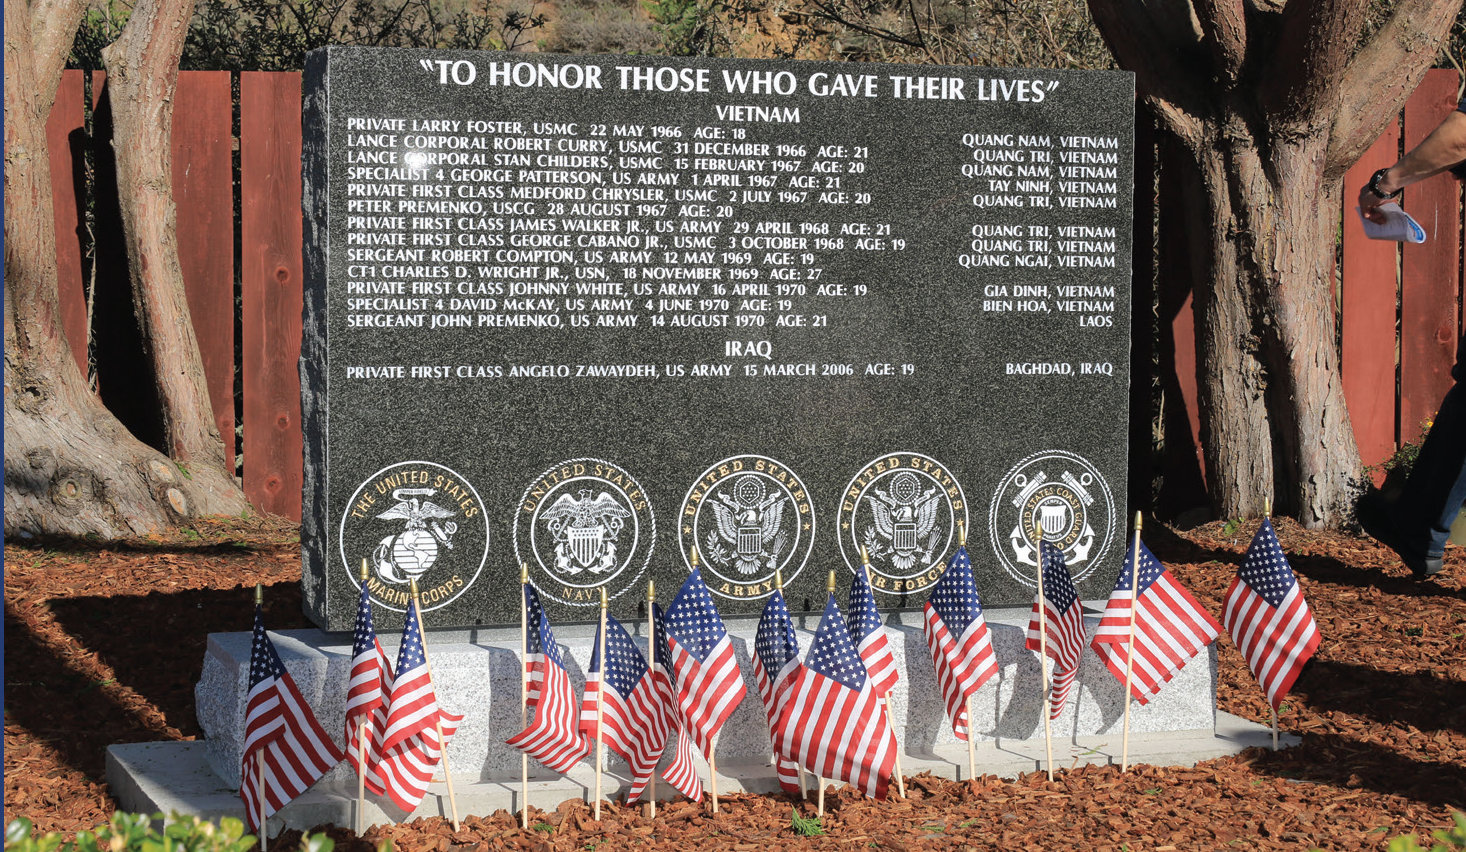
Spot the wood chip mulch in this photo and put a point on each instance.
(104, 645)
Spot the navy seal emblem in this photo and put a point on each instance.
(582, 525)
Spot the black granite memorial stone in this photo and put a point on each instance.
(589, 314)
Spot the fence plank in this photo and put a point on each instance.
(203, 193)
(1369, 304)
(1183, 483)
(66, 139)
(1428, 272)
(270, 273)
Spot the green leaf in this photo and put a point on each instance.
(805, 826)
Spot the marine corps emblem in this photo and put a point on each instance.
(1062, 495)
(583, 524)
(902, 508)
(415, 521)
(747, 516)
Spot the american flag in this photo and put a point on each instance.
(280, 733)
(410, 748)
(869, 636)
(1065, 622)
(1268, 618)
(709, 684)
(552, 737)
(832, 723)
(775, 659)
(958, 637)
(1171, 626)
(635, 718)
(682, 773)
(366, 696)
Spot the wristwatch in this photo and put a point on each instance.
(1373, 186)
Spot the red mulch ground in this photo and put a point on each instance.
(104, 646)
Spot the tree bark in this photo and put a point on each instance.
(1273, 106)
(71, 469)
(142, 76)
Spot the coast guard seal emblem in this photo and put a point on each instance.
(1063, 495)
(747, 516)
(581, 525)
(903, 508)
(415, 521)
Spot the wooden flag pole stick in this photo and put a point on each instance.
(1267, 512)
(803, 783)
(361, 751)
(713, 745)
(967, 704)
(601, 707)
(438, 722)
(1130, 653)
(361, 744)
(1043, 651)
(260, 758)
(822, 797)
(524, 688)
(651, 658)
(260, 779)
(900, 781)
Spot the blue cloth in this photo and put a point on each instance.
(1437, 485)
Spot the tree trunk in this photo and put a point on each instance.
(71, 468)
(1273, 104)
(142, 75)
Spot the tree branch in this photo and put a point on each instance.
(53, 27)
(1307, 61)
(1380, 78)
(1224, 24)
(1153, 48)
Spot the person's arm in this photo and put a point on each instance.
(1442, 149)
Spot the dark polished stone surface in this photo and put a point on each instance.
(775, 311)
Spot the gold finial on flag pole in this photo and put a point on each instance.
(779, 579)
(694, 559)
(830, 586)
(961, 533)
(259, 594)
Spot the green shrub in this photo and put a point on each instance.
(1453, 840)
(127, 832)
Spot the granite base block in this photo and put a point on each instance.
(477, 674)
(176, 777)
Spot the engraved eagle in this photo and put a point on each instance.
(906, 524)
(753, 528)
(409, 554)
(585, 530)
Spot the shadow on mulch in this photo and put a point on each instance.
(1341, 761)
(1435, 703)
(137, 637)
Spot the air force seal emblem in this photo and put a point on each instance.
(584, 524)
(903, 509)
(747, 516)
(415, 521)
(1064, 496)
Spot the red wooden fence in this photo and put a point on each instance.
(1400, 307)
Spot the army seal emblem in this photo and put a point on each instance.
(747, 516)
(582, 525)
(1064, 496)
(903, 508)
(415, 521)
